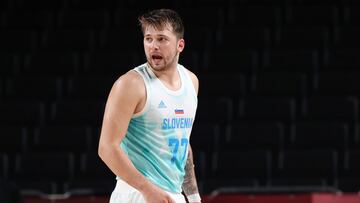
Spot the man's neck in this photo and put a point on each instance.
(169, 76)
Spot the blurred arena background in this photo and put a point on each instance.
(278, 102)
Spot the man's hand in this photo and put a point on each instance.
(156, 195)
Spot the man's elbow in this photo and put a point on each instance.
(101, 150)
(106, 149)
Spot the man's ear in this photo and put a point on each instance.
(181, 45)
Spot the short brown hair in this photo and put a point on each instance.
(160, 18)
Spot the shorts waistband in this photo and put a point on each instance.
(121, 185)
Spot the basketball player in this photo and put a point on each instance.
(148, 118)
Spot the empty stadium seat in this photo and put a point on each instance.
(351, 164)
(76, 112)
(265, 109)
(254, 15)
(310, 15)
(89, 87)
(348, 185)
(43, 88)
(9, 63)
(89, 171)
(242, 164)
(262, 2)
(285, 84)
(4, 4)
(231, 185)
(202, 164)
(39, 5)
(76, 39)
(215, 110)
(302, 37)
(330, 109)
(43, 167)
(201, 4)
(83, 19)
(234, 61)
(124, 17)
(19, 40)
(247, 38)
(205, 137)
(55, 63)
(346, 37)
(37, 188)
(283, 60)
(3, 166)
(90, 187)
(120, 40)
(315, 2)
(348, 173)
(253, 136)
(301, 185)
(14, 139)
(1, 88)
(190, 59)
(74, 139)
(340, 60)
(29, 19)
(210, 16)
(354, 142)
(112, 63)
(77, 5)
(337, 83)
(22, 112)
(323, 135)
(9, 192)
(199, 38)
(351, 2)
(312, 164)
(352, 14)
(92, 167)
(222, 85)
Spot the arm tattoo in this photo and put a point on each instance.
(189, 185)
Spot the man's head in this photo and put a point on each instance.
(162, 18)
(163, 32)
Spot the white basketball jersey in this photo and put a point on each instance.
(158, 137)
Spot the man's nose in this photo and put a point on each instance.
(155, 44)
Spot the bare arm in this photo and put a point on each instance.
(120, 106)
(126, 97)
(189, 185)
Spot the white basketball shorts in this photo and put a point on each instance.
(124, 193)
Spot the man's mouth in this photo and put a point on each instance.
(156, 57)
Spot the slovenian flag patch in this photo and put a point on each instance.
(179, 111)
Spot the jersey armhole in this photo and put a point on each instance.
(187, 75)
(147, 102)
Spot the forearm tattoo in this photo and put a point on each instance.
(189, 185)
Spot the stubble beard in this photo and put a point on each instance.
(166, 65)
